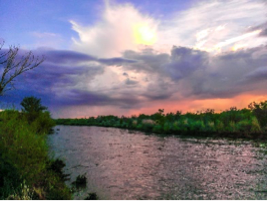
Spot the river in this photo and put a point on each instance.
(124, 164)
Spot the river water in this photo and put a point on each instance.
(123, 164)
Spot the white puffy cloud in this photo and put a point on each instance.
(122, 27)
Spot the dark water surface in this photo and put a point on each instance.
(122, 164)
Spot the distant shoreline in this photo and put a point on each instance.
(247, 123)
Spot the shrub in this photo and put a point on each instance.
(157, 128)
(10, 179)
(260, 111)
(43, 123)
(24, 172)
(244, 126)
(57, 167)
(198, 126)
(219, 126)
(255, 126)
(80, 181)
(231, 128)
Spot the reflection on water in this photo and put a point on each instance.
(122, 164)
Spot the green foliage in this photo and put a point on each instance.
(247, 123)
(9, 179)
(24, 162)
(158, 128)
(31, 105)
(260, 112)
(33, 110)
(255, 126)
(43, 123)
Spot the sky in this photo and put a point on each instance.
(119, 57)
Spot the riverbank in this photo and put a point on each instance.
(26, 171)
(247, 123)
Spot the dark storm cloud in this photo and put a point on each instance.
(62, 80)
(115, 61)
(180, 63)
(146, 61)
(257, 75)
(64, 56)
(71, 57)
(196, 73)
(185, 61)
(77, 97)
(81, 97)
(55, 79)
(231, 74)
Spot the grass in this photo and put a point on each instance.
(26, 171)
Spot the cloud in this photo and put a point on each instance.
(262, 28)
(257, 75)
(214, 26)
(147, 60)
(120, 28)
(131, 82)
(116, 61)
(69, 79)
(185, 61)
(128, 60)
(188, 72)
(66, 57)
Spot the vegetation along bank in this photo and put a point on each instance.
(248, 123)
(26, 171)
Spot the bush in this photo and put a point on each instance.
(219, 126)
(255, 126)
(157, 129)
(230, 123)
(244, 126)
(80, 181)
(22, 147)
(57, 167)
(260, 111)
(24, 171)
(43, 123)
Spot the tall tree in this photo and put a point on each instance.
(11, 66)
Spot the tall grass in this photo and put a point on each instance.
(25, 171)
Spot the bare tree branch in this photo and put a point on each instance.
(13, 67)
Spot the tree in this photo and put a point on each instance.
(12, 66)
(32, 105)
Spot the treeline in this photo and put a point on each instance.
(26, 171)
(249, 122)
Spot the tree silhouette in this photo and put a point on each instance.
(12, 66)
(32, 105)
